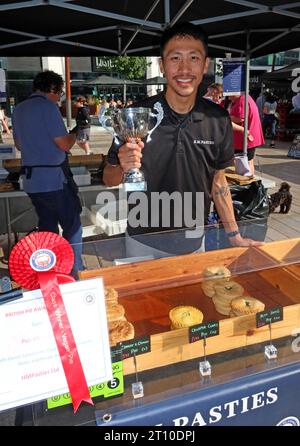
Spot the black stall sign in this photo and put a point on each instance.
(104, 63)
(135, 347)
(201, 331)
(269, 316)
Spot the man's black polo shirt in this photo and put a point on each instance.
(183, 155)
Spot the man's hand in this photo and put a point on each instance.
(250, 137)
(130, 155)
(238, 240)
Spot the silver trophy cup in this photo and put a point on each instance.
(130, 125)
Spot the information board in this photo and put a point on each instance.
(234, 76)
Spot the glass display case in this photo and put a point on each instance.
(230, 366)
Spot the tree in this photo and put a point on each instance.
(130, 67)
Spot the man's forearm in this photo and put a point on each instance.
(112, 175)
(223, 202)
(70, 141)
(237, 120)
(65, 142)
(225, 211)
(222, 198)
(237, 127)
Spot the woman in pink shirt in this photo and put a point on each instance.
(255, 133)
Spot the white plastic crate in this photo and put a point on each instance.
(110, 217)
(81, 175)
(89, 229)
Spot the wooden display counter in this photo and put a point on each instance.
(286, 252)
(148, 290)
(14, 165)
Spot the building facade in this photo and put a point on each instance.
(20, 71)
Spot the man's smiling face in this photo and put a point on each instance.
(184, 63)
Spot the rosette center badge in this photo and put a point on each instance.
(42, 260)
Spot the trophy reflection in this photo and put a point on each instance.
(130, 125)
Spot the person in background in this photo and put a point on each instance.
(120, 104)
(255, 133)
(104, 105)
(129, 102)
(40, 134)
(83, 124)
(214, 93)
(112, 104)
(188, 153)
(260, 104)
(269, 120)
(3, 125)
(296, 103)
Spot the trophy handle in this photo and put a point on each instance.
(159, 115)
(106, 120)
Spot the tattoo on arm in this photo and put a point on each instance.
(222, 191)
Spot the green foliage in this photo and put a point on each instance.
(130, 67)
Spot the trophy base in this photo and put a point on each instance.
(130, 187)
(134, 181)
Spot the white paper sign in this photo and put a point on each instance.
(30, 366)
(2, 86)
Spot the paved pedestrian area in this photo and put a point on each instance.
(269, 163)
(275, 165)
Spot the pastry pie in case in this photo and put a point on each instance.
(185, 316)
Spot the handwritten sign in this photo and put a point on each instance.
(201, 331)
(136, 347)
(269, 316)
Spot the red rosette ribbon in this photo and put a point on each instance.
(43, 260)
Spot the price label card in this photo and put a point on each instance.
(201, 331)
(136, 347)
(269, 316)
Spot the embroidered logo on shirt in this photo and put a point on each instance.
(159, 117)
(204, 142)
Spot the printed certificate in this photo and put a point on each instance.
(30, 366)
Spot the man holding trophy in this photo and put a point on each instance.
(182, 154)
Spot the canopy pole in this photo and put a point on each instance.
(246, 106)
(124, 93)
(68, 92)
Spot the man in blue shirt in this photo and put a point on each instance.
(41, 136)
